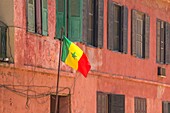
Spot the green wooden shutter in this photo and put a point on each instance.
(44, 17)
(61, 17)
(75, 20)
(167, 41)
(134, 28)
(110, 25)
(31, 16)
(100, 23)
(116, 103)
(124, 28)
(147, 35)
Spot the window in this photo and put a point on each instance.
(140, 105)
(110, 103)
(76, 16)
(165, 107)
(163, 42)
(3, 38)
(37, 16)
(69, 17)
(117, 27)
(95, 23)
(140, 34)
(63, 106)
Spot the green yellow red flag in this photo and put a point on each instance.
(74, 57)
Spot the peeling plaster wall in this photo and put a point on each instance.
(36, 61)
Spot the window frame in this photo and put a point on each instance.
(117, 41)
(142, 52)
(38, 19)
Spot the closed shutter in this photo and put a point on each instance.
(134, 28)
(64, 104)
(45, 17)
(147, 35)
(52, 103)
(124, 29)
(100, 23)
(61, 17)
(75, 20)
(167, 45)
(165, 107)
(158, 36)
(116, 103)
(31, 16)
(102, 103)
(140, 105)
(162, 43)
(38, 17)
(110, 25)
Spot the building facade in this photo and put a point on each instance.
(127, 43)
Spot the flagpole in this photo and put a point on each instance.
(58, 76)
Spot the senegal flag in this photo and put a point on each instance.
(74, 57)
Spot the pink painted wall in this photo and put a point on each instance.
(36, 61)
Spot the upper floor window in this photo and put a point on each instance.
(117, 27)
(140, 34)
(162, 42)
(140, 105)
(37, 16)
(3, 39)
(76, 16)
(110, 103)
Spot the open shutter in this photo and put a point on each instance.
(102, 103)
(100, 23)
(124, 28)
(38, 17)
(61, 17)
(31, 16)
(110, 25)
(134, 28)
(75, 21)
(45, 17)
(165, 107)
(116, 103)
(147, 35)
(167, 45)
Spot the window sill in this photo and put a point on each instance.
(39, 35)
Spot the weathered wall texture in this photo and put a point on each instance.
(36, 61)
